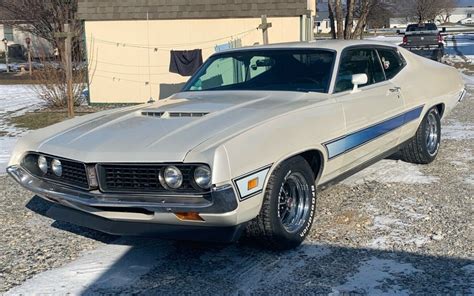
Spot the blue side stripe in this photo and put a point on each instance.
(351, 141)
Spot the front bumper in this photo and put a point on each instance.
(218, 210)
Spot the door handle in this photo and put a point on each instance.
(395, 89)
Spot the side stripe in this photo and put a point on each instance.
(351, 141)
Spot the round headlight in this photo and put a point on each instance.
(172, 177)
(57, 167)
(43, 164)
(202, 177)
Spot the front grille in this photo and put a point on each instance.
(74, 173)
(141, 178)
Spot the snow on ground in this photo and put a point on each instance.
(372, 274)
(390, 171)
(14, 100)
(396, 40)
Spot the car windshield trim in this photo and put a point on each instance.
(268, 52)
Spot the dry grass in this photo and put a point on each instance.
(40, 119)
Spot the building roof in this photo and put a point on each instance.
(186, 9)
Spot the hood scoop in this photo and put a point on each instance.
(173, 114)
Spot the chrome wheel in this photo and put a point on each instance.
(294, 202)
(431, 134)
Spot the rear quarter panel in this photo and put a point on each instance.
(428, 83)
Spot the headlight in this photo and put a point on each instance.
(57, 167)
(43, 164)
(202, 177)
(172, 177)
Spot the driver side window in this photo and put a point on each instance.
(358, 61)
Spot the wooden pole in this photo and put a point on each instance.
(264, 26)
(30, 67)
(6, 54)
(68, 68)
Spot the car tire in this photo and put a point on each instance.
(274, 226)
(424, 146)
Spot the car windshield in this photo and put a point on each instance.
(275, 70)
(422, 27)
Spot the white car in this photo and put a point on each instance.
(245, 145)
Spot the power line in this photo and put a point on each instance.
(128, 73)
(167, 47)
(130, 65)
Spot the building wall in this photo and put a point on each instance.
(118, 51)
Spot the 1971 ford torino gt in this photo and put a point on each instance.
(245, 145)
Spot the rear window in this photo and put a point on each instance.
(392, 61)
(422, 27)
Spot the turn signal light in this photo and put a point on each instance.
(190, 216)
(251, 184)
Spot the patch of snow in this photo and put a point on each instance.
(455, 130)
(468, 79)
(14, 100)
(114, 265)
(470, 180)
(393, 226)
(396, 40)
(372, 275)
(391, 171)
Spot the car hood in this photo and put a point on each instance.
(168, 129)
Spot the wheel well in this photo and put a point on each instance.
(315, 161)
(440, 108)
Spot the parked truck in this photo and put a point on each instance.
(425, 40)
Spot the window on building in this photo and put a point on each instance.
(8, 32)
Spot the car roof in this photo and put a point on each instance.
(337, 45)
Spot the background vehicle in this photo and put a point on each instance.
(424, 39)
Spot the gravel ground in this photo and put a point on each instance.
(31, 243)
(394, 228)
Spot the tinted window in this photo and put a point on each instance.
(358, 61)
(286, 70)
(422, 27)
(392, 61)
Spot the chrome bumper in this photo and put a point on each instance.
(221, 200)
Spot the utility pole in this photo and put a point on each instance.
(5, 41)
(264, 26)
(67, 59)
(28, 48)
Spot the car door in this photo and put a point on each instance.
(372, 113)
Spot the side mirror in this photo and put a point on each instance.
(443, 30)
(398, 32)
(359, 79)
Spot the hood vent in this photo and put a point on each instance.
(187, 114)
(153, 114)
(174, 114)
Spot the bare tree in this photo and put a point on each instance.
(355, 9)
(44, 18)
(349, 19)
(447, 9)
(331, 19)
(427, 10)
